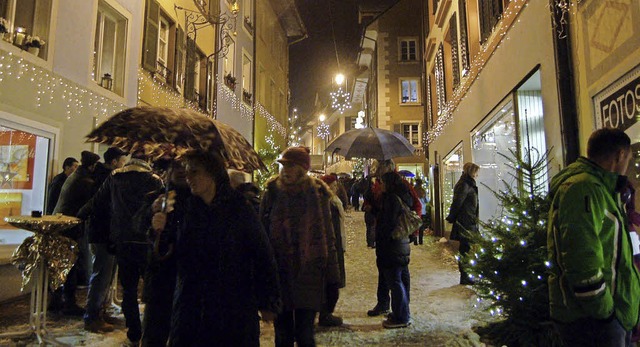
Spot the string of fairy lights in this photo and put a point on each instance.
(295, 136)
(479, 61)
(49, 90)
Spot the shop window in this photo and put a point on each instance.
(451, 172)
(23, 181)
(531, 122)
(410, 93)
(27, 18)
(408, 49)
(110, 49)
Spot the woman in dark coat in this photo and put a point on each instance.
(226, 268)
(392, 256)
(464, 212)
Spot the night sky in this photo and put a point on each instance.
(313, 61)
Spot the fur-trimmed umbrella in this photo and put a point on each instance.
(161, 131)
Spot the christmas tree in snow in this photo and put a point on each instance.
(507, 260)
(268, 155)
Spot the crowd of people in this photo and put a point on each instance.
(217, 254)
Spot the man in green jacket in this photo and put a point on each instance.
(594, 288)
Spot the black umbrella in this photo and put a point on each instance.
(372, 143)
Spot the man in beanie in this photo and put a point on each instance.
(75, 192)
(296, 212)
(104, 262)
(123, 195)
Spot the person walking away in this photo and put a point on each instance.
(392, 255)
(464, 213)
(226, 267)
(75, 192)
(422, 195)
(628, 197)
(341, 192)
(248, 189)
(295, 210)
(593, 283)
(104, 262)
(373, 204)
(69, 165)
(355, 194)
(123, 195)
(160, 276)
(326, 317)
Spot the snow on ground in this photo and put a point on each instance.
(441, 309)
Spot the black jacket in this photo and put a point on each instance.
(226, 273)
(78, 188)
(123, 194)
(97, 222)
(53, 192)
(464, 210)
(389, 251)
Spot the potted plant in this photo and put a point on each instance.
(4, 28)
(230, 81)
(248, 24)
(33, 44)
(246, 96)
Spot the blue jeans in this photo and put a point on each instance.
(295, 326)
(382, 293)
(104, 265)
(393, 277)
(592, 332)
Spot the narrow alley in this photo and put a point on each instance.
(441, 309)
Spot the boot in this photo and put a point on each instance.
(329, 320)
(98, 326)
(377, 311)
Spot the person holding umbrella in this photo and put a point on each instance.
(225, 264)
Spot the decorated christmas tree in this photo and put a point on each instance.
(508, 262)
(268, 155)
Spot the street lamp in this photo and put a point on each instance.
(339, 79)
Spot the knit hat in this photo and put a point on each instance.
(297, 155)
(88, 158)
(113, 153)
(328, 179)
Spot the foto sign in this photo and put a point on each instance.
(618, 106)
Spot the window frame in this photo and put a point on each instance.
(43, 28)
(107, 9)
(401, 50)
(247, 87)
(416, 80)
(409, 138)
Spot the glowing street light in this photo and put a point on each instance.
(339, 79)
(322, 117)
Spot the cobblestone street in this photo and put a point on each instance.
(442, 311)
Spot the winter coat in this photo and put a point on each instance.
(389, 251)
(337, 219)
(97, 222)
(123, 194)
(298, 222)
(226, 273)
(53, 193)
(76, 191)
(464, 211)
(589, 247)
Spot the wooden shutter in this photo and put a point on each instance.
(455, 66)
(178, 62)
(150, 44)
(464, 40)
(189, 76)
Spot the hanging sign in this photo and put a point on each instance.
(618, 106)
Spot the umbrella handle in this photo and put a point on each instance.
(156, 250)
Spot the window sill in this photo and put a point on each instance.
(111, 95)
(410, 104)
(11, 49)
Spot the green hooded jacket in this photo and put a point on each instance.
(589, 247)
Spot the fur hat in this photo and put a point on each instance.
(297, 155)
(88, 158)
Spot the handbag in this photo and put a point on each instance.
(407, 223)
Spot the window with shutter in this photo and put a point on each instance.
(453, 40)
(490, 12)
(179, 61)
(464, 39)
(189, 78)
(150, 42)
